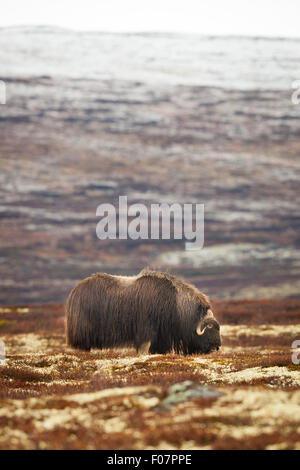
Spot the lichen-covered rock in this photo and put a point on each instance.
(187, 390)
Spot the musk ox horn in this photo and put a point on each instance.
(209, 314)
(198, 330)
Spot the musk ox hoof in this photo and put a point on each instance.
(144, 348)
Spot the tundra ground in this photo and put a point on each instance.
(53, 397)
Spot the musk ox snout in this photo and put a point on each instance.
(153, 308)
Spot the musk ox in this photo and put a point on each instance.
(153, 311)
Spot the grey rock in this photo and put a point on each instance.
(184, 391)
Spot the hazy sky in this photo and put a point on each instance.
(248, 17)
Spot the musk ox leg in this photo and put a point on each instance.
(158, 347)
(157, 350)
(144, 348)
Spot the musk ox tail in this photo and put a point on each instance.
(82, 312)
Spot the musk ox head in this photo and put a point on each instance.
(206, 336)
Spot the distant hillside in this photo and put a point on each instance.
(159, 118)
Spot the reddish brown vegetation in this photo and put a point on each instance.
(258, 312)
(255, 360)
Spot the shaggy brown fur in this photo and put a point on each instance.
(105, 311)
